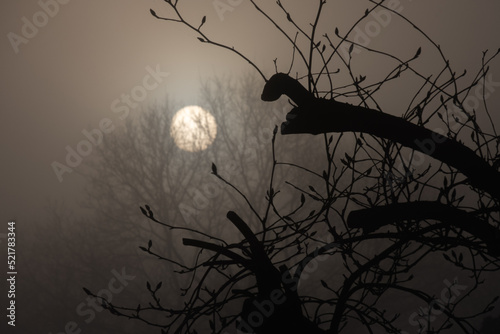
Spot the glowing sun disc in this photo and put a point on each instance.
(193, 129)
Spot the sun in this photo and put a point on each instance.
(193, 129)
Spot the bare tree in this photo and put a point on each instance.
(394, 192)
(140, 163)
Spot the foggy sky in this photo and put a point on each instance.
(66, 77)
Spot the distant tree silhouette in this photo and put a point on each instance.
(140, 163)
(372, 217)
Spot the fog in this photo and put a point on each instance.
(79, 70)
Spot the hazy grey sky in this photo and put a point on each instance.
(65, 77)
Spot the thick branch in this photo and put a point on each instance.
(315, 116)
(217, 249)
(374, 218)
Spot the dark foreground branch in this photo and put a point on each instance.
(374, 218)
(315, 116)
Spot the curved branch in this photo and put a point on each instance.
(315, 116)
(374, 218)
(204, 38)
(255, 246)
(267, 276)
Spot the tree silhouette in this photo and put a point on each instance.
(140, 163)
(373, 218)
(316, 116)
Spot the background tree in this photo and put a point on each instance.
(373, 177)
(140, 163)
